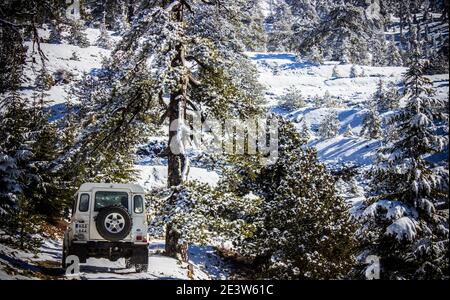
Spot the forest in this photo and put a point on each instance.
(162, 92)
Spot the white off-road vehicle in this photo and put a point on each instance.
(108, 221)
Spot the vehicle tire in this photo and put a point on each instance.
(141, 268)
(113, 223)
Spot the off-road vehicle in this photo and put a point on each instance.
(108, 221)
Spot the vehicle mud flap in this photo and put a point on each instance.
(140, 255)
(79, 250)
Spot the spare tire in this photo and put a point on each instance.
(113, 223)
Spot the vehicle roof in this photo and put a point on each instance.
(89, 186)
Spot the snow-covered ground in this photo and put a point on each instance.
(46, 264)
(281, 71)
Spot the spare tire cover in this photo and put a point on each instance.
(113, 223)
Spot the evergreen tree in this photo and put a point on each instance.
(12, 57)
(371, 126)
(302, 229)
(335, 72)
(345, 34)
(405, 224)
(353, 72)
(293, 99)
(315, 55)
(26, 183)
(104, 40)
(327, 99)
(44, 81)
(381, 98)
(317, 101)
(44, 196)
(378, 50)
(55, 34)
(121, 23)
(281, 34)
(193, 58)
(253, 34)
(77, 36)
(14, 123)
(393, 56)
(305, 131)
(329, 126)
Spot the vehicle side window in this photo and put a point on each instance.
(138, 204)
(84, 203)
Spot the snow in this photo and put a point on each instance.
(403, 229)
(59, 58)
(155, 176)
(278, 73)
(45, 264)
(394, 210)
(282, 71)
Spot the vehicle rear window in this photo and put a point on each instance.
(84, 203)
(138, 204)
(104, 199)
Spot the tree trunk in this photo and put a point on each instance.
(176, 155)
(176, 169)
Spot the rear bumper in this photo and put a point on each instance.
(137, 253)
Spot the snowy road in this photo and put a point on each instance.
(17, 264)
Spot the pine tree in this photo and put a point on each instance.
(371, 125)
(25, 180)
(406, 232)
(77, 36)
(44, 81)
(382, 99)
(315, 55)
(121, 24)
(378, 50)
(335, 73)
(44, 196)
(344, 34)
(302, 229)
(393, 56)
(327, 99)
(281, 33)
(104, 40)
(329, 126)
(12, 57)
(317, 101)
(293, 99)
(13, 148)
(55, 34)
(195, 60)
(353, 72)
(305, 131)
(253, 34)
